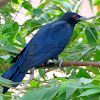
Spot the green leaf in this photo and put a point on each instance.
(27, 5)
(33, 25)
(35, 94)
(65, 4)
(98, 14)
(42, 73)
(86, 81)
(82, 73)
(35, 84)
(37, 11)
(89, 92)
(69, 4)
(12, 29)
(75, 34)
(90, 2)
(1, 97)
(94, 97)
(90, 86)
(15, 26)
(62, 79)
(2, 62)
(18, 45)
(9, 9)
(91, 35)
(52, 83)
(97, 78)
(51, 92)
(5, 81)
(57, 12)
(72, 56)
(5, 57)
(44, 4)
(71, 88)
(63, 96)
(19, 37)
(42, 94)
(98, 48)
(63, 88)
(17, 1)
(85, 51)
(10, 48)
(95, 70)
(96, 2)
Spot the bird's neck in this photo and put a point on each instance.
(71, 22)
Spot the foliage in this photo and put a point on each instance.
(79, 83)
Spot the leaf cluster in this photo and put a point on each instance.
(79, 83)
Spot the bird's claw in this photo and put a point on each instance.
(60, 62)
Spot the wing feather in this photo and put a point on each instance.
(46, 44)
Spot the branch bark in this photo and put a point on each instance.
(74, 64)
(66, 64)
(3, 2)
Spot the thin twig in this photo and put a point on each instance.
(25, 84)
(17, 83)
(69, 52)
(91, 17)
(40, 81)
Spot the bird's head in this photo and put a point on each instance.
(72, 18)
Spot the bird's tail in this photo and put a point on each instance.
(14, 74)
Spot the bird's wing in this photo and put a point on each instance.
(44, 45)
(40, 57)
(18, 56)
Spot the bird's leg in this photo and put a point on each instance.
(25, 84)
(59, 61)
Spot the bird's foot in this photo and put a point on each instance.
(60, 62)
(52, 62)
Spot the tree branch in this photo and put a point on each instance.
(66, 64)
(73, 64)
(3, 2)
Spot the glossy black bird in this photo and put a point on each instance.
(47, 44)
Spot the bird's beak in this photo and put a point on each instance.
(82, 18)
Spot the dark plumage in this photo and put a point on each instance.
(47, 44)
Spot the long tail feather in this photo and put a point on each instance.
(14, 75)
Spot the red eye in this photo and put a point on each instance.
(75, 16)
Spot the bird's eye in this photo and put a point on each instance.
(75, 16)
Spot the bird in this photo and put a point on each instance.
(45, 45)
